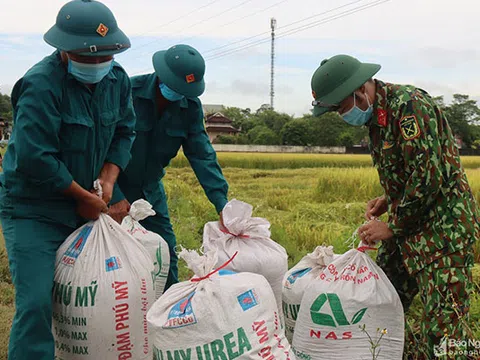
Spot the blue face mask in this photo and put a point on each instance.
(89, 73)
(356, 116)
(169, 94)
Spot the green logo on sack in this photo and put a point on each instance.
(333, 300)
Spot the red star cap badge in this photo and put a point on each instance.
(102, 30)
(190, 78)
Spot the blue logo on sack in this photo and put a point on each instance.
(113, 263)
(76, 247)
(247, 300)
(226, 272)
(181, 314)
(296, 275)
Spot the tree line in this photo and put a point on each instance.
(268, 127)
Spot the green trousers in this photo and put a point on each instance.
(160, 224)
(444, 288)
(31, 247)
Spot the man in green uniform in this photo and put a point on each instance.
(432, 214)
(74, 123)
(169, 116)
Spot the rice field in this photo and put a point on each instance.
(309, 200)
(272, 161)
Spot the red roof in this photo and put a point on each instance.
(218, 118)
(221, 128)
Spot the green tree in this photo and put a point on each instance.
(6, 107)
(296, 133)
(225, 139)
(346, 139)
(237, 115)
(266, 137)
(462, 114)
(326, 129)
(273, 120)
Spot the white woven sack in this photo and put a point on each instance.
(250, 237)
(352, 293)
(296, 281)
(218, 314)
(102, 291)
(156, 246)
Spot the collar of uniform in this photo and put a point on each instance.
(149, 90)
(111, 75)
(379, 116)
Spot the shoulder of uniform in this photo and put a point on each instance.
(45, 77)
(415, 108)
(400, 95)
(45, 74)
(119, 70)
(195, 102)
(138, 81)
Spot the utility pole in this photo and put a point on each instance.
(273, 25)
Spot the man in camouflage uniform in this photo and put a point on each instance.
(433, 220)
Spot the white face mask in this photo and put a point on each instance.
(356, 116)
(89, 73)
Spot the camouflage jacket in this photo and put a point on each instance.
(432, 211)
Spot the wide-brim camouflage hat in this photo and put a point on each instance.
(87, 27)
(336, 79)
(182, 69)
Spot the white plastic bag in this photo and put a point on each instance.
(156, 246)
(296, 281)
(250, 237)
(102, 291)
(352, 292)
(217, 315)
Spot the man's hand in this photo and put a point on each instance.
(376, 208)
(108, 177)
(119, 210)
(91, 206)
(107, 190)
(374, 231)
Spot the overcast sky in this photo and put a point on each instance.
(429, 43)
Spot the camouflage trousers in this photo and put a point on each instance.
(444, 289)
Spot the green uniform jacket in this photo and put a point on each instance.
(432, 210)
(63, 132)
(158, 139)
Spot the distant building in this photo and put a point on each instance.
(212, 109)
(218, 124)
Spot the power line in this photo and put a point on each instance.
(241, 18)
(291, 31)
(282, 27)
(296, 30)
(178, 18)
(192, 26)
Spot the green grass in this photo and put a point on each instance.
(306, 207)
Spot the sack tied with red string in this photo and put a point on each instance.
(218, 314)
(156, 246)
(102, 291)
(298, 278)
(352, 293)
(250, 237)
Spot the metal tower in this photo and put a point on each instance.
(273, 25)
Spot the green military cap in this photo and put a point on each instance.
(337, 78)
(87, 27)
(181, 68)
